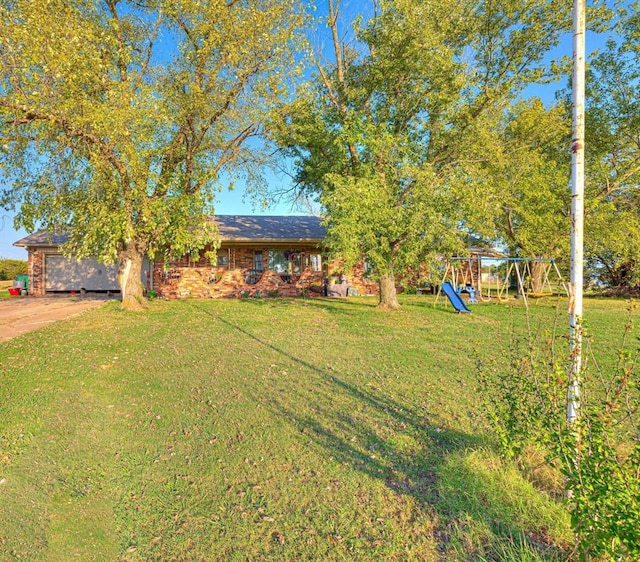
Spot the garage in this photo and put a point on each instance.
(67, 274)
(51, 272)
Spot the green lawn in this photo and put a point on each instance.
(269, 430)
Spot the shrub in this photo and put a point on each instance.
(600, 459)
(521, 401)
(10, 268)
(598, 455)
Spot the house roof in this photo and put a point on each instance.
(42, 238)
(232, 228)
(250, 228)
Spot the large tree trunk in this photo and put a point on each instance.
(388, 295)
(130, 276)
(537, 269)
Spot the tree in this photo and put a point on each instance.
(529, 179)
(10, 268)
(119, 116)
(613, 159)
(391, 134)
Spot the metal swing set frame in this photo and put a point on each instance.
(469, 275)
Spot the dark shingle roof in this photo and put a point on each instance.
(233, 228)
(277, 228)
(42, 238)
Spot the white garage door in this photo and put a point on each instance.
(67, 274)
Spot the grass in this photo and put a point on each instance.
(269, 430)
(4, 292)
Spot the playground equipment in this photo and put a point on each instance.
(464, 274)
(454, 297)
(523, 270)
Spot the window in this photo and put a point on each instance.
(277, 262)
(314, 261)
(287, 261)
(223, 259)
(252, 276)
(257, 260)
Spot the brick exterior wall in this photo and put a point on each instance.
(35, 269)
(186, 278)
(201, 279)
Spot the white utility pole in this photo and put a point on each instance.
(577, 212)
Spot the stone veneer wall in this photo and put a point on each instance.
(35, 269)
(356, 278)
(200, 279)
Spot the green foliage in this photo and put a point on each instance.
(612, 227)
(120, 119)
(390, 134)
(10, 268)
(599, 454)
(529, 178)
(514, 407)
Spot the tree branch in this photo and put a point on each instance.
(230, 151)
(71, 132)
(122, 65)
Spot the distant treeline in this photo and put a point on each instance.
(10, 268)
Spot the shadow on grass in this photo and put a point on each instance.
(326, 423)
(338, 305)
(351, 305)
(408, 448)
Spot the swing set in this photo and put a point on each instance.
(465, 275)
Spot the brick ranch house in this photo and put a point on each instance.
(258, 256)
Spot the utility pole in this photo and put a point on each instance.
(577, 212)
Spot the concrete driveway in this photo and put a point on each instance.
(24, 314)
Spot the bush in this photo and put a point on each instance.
(600, 459)
(10, 268)
(598, 455)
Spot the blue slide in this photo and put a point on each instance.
(454, 298)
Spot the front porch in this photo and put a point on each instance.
(244, 272)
